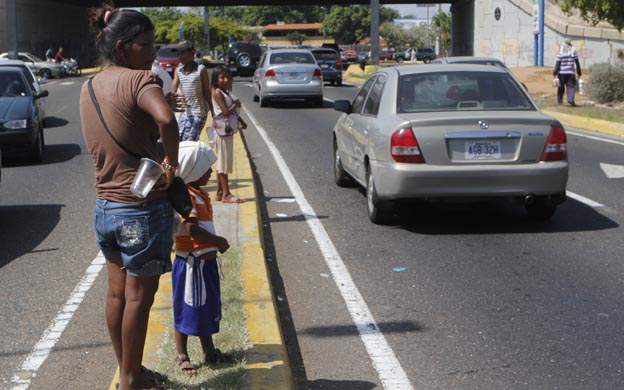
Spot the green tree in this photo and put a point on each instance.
(296, 38)
(442, 23)
(263, 15)
(162, 14)
(348, 25)
(595, 11)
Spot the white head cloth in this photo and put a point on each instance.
(194, 158)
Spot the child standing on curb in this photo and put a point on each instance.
(224, 104)
(195, 274)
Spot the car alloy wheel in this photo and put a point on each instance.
(243, 60)
(47, 73)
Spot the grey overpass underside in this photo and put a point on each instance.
(41, 23)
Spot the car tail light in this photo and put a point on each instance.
(404, 147)
(339, 64)
(270, 74)
(557, 146)
(317, 74)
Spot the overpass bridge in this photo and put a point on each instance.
(499, 28)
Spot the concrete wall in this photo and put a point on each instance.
(511, 37)
(44, 22)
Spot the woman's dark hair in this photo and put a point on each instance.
(111, 25)
(218, 70)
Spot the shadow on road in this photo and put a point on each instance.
(24, 228)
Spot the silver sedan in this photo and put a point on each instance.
(288, 74)
(449, 132)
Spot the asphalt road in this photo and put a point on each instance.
(466, 297)
(47, 245)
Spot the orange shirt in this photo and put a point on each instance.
(202, 210)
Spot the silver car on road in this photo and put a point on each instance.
(38, 66)
(288, 74)
(449, 132)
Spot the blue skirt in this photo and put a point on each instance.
(196, 296)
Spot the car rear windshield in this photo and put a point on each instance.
(456, 91)
(166, 52)
(325, 55)
(291, 58)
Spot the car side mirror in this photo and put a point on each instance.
(343, 105)
(43, 93)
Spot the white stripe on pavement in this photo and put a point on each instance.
(386, 364)
(596, 138)
(584, 200)
(52, 334)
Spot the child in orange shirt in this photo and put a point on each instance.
(195, 273)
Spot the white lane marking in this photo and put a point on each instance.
(596, 138)
(67, 83)
(386, 364)
(65, 107)
(584, 200)
(612, 171)
(52, 334)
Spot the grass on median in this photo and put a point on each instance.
(611, 114)
(230, 339)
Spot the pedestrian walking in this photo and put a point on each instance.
(565, 67)
(195, 276)
(124, 105)
(194, 83)
(413, 55)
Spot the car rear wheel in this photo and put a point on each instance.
(339, 82)
(378, 210)
(399, 59)
(426, 60)
(341, 177)
(47, 73)
(264, 102)
(541, 209)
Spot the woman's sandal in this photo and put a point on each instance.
(152, 375)
(184, 362)
(218, 357)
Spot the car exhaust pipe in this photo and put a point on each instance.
(529, 199)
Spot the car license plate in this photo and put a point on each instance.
(483, 150)
(324, 66)
(294, 76)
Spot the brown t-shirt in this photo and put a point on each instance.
(118, 91)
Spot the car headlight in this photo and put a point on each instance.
(16, 124)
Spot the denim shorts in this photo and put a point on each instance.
(141, 235)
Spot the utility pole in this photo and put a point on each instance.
(207, 28)
(374, 32)
(11, 26)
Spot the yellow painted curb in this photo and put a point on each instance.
(586, 123)
(267, 360)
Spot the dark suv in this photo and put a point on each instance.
(331, 64)
(242, 58)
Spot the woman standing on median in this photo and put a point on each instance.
(134, 234)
